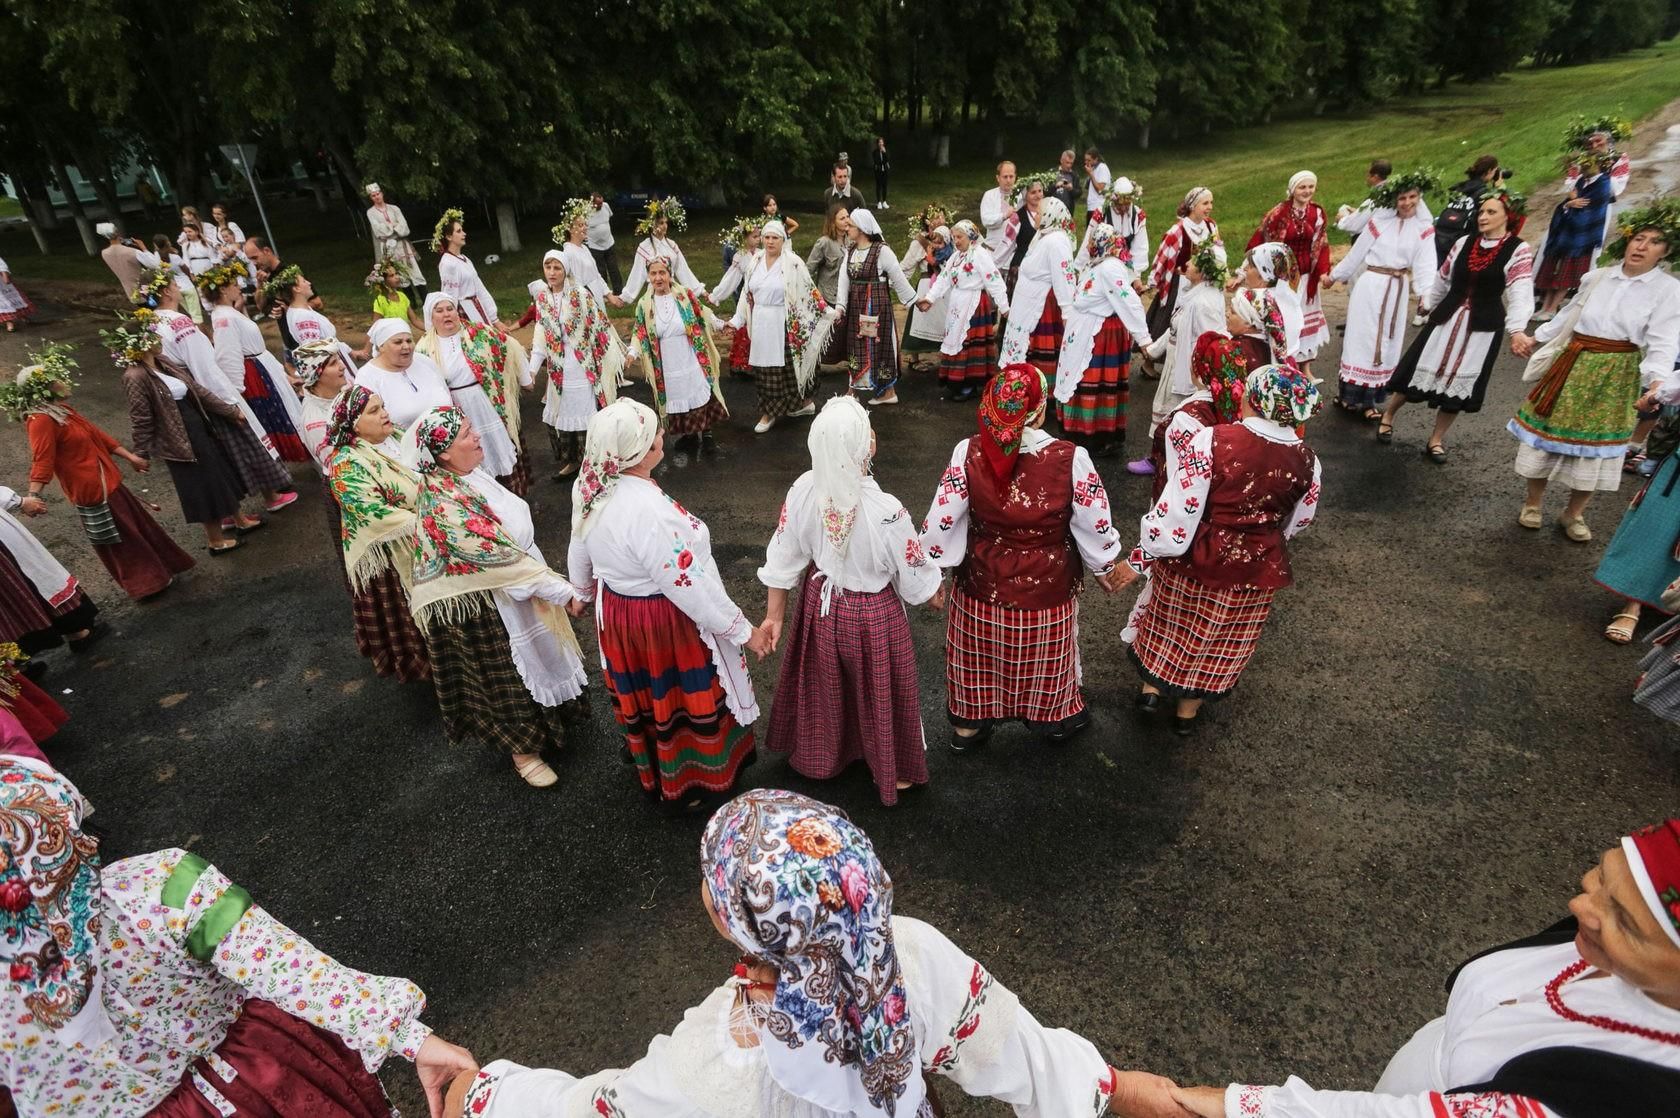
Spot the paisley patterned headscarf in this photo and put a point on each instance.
(347, 407)
(798, 885)
(1219, 362)
(1012, 399)
(620, 435)
(1282, 394)
(1275, 261)
(311, 357)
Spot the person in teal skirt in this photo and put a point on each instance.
(1644, 555)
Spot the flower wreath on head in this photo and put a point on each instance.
(1424, 180)
(452, 214)
(49, 366)
(1114, 196)
(376, 278)
(922, 220)
(132, 338)
(1580, 132)
(735, 234)
(668, 208)
(1663, 216)
(153, 282)
(278, 290)
(1211, 261)
(569, 214)
(1018, 195)
(214, 279)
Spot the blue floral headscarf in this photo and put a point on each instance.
(798, 886)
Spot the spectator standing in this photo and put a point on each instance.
(883, 167)
(1067, 181)
(600, 239)
(841, 190)
(122, 256)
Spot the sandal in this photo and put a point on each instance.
(231, 545)
(1371, 413)
(1385, 432)
(1436, 453)
(1617, 634)
(536, 772)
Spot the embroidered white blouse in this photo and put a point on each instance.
(1106, 290)
(964, 276)
(237, 338)
(308, 325)
(458, 279)
(887, 265)
(646, 252)
(409, 394)
(1200, 310)
(768, 332)
(1405, 244)
(185, 344)
(642, 543)
(969, 1027)
(686, 386)
(883, 547)
(501, 457)
(1046, 273)
(316, 412)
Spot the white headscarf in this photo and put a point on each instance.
(386, 329)
(865, 220)
(839, 443)
(554, 254)
(1297, 179)
(943, 232)
(1265, 257)
(105, 229)
(432, 301)
(1122, 187)
(773, 229)
(620, 435)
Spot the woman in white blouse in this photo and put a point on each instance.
(410, 383)
(657, 245)
(198, 254)
(1093, 369)
(673, 338)
(976, 299)
(478, 363)
(457, 275)
(243, 356)
(581, 351)
(790, 326)
(321, 374)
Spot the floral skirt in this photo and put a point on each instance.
(1098, 404)
(976, 362)
(1193, 640)
(739, 353)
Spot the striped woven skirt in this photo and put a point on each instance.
(31, 621)
(678, 728)
(1193, 641)
(385, 631)
(1658, 689)
(1003, 663)
(480, 692)
(1098, 404)
(143, 557)
(1044, 344)
(847, 690)
(875, 359)
(262, 394)
(976, 362)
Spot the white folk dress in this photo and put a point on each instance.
(501, 457)
(646, 252)
(237, 338)
(316, 421)
(408, 394)
(573, 404)
(965, 275)
(633, 546)
(458, 279)
(185, 344)
(1454, 356)
(1398, 255)
(1200, 309)
(389, 230)
(767, 331)
(929, 326)
(582, 267)
(686, 386)
(969, 1029)
(13, 303)
(1106, 290)
(1046, 273)
(1001, 222)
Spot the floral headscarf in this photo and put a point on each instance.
(1053, 216)
(347, 407)
(620, 435)
(839, 443)
(1275, 262)
(1282, 394)
(1012, 400)
(1100, 241)
(311, 357)
(431, 435)
(798, 885)
(968, 227)
(1218, 362)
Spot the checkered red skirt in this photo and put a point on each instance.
(1098, 404)
(520, 480)
(1003, 663)
(1044, 345)
(1194, 640)
(976, 362)
(1561, 273)
(694, 422)
(847, 689)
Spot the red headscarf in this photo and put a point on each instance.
(1653, 855)
(1011, 398)
(1219, 362)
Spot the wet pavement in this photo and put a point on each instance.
(1432, 744)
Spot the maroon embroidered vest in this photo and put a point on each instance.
(1202, 411)
(1255, 486)
(1021, 552)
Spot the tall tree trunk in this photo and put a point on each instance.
(1143, 136)
(98, 173)
(68, 189)
(32, 191)
(31, 208)
(507, 227)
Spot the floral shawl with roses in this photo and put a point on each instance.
(377, 496)
(574, 323)
(496, 359)
(698, 322)
(808, 321)
(798, 885)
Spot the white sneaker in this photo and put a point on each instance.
(764, 425)
(1418, 320)
(886, 205)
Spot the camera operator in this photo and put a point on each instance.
(126, 257)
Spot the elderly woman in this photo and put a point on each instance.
(1093, 369)
(1215, 544)
(968, 354)
(1044, 289)
(1020, 516)
(154, 987)
(1577, 1020)
(868, 282)
(790, 327)
(457, 277)
(63, 443)
(671, 638)
(673, 338)
(245, 362)
(505, 661)
(321, 374)
(409, 383)
(581, 351)
(376, 495)
(1193, 228)
(1265, 318)
(1300, 224)
(847, 688)
(485, 369)
(839, 1007)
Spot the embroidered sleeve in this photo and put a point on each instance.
(785, 559)
(1306, 509)
(1123, 301)
(942, 284)
(1093, 522)
(1063, 278)
(679, 559)
(1519, 289)
(1297, 1100)
(945, 531)
(1170, 524)
(992, 277)
(913, 576)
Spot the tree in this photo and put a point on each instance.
(1231, 75)
(1589, 30)
(1361, 55)
(1475, 41)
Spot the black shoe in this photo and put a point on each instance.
(1183, 726)
(99, 629)
(1069, 727)
(708, 447)
(1147, 702)
(962, 744)
(35, 669)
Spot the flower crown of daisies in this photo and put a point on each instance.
(668, 208)
(1046, 179)
(569, 214)
(153, 282)
(49, 366)
(736, 233)
(452, 214)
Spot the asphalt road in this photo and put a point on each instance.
(1432, 744)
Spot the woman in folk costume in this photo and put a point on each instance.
(1020, 515)
(41, 603)
(671, 639)
(1484, 292)
(1397, 253)
(136, 551)
(790, 328)
(1577, 1021)
(839, 1008)
(743, 241)
(1299, 223)
(582, 353)
(1092, 369)
(1658, 687)
(662, 216)
(243, 357)
(1218, 371)
(505, 662)
(973, 287)
(1265, 317)
(15, 306)
(409, 382)
(457, 277)
(1581, 221)
(376, 495)
(321, 374)
(1122, 213)
(1193, 227)
(389, 231)
(1607, 355)
(924, 258)
(867, 285)
(288, 295)
(1642, 564)
(485, 370)
(1044, 286)
(154, 987)
(1200, 311)
(1214, 545)
(847, 687)
(572, 235)
(673, 337)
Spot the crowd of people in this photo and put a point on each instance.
(1038, 321)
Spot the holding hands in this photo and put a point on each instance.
(32, 506)
(437, 1063)
(1522, 344)
(1142, 1095)
(762, 642)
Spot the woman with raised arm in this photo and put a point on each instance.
(673, 336)
(972, 285)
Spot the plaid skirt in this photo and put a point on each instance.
(29, 619)
(1658, 689)
(1194, 640)
(1044, 344)
(875, 360)
(1561, 273)
(778, 390)
(696, 421)
(480, 692)
(252, 463)
(1003, 663)
(520, 480)
(976, 362)
(847, 690)
(385, 630)
(678, 727)
(1098, 404)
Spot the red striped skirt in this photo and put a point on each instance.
(1044, 345)
(678, 727)
(976, 362)
(385, 629)
(847, 689)
(1098, 405)
(1003, 663)
(1193, 640)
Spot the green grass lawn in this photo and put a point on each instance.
(1518, 117)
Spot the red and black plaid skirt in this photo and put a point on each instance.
(1003, 663)
(976, 362)
(1193, 640)
(847, 689)
(520, 480)
(1044, 345)
(1561, 273)
(1098, 404)
(385, 631)
(696, 421)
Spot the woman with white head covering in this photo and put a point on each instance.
(1299, 223)
(1093, 371)
(1265, 319)
(1044, 289)
(673, 337)
(15, 306)
(505, 661)
(847, 688)
(924, 257)
(581, 351)
(485, 370)
(409, 382)
(1195, 225)
(671, 637)
(972, 285)
(790, 327)
(868, 282)
(840, 1009)
(389, 230)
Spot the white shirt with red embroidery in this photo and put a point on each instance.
(882, 547)
(965, 275)
(1496, 1012)
(185, 344)
(1105, 291)
(969, 1028)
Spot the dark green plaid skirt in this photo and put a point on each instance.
(480, 693)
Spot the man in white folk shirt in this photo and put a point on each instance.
(999, 217)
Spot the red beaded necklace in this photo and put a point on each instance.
(1554, 998)
(1481, 257)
